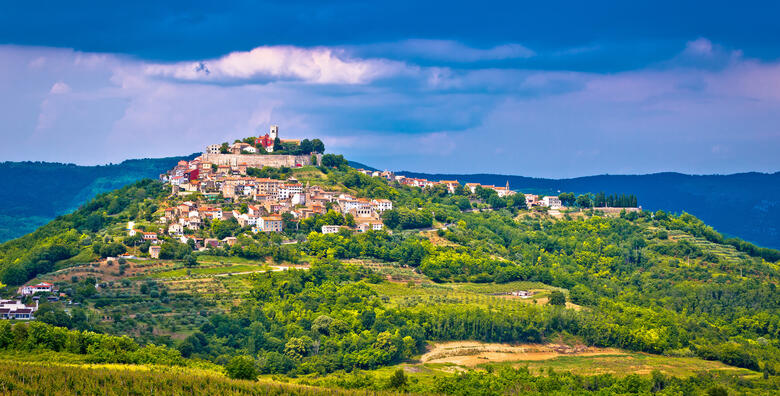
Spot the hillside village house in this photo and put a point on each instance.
(551, 202)
(450, 184)
(370, 226)
(42, 287)
(270, 224)
(330, 229)
(531, 200)
(241, 147)
(12, 309)
(175, 229)
(154, 251)
(381, 205)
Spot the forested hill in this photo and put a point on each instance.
(33, 193)
(746, 205)
(363, 311)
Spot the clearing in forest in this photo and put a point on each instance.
(473, 353)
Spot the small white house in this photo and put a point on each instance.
(12, 309)
(381, 205)
(330, 229)
(551, 202)
(39, 288)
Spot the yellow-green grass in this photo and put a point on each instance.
(488, 288)
(628, 363)
(85, 256)
(48, 378)
(472, 294)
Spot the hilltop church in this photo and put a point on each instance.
(267, 141)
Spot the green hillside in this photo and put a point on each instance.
(630, 302)
(37, 192)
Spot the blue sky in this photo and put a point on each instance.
(576, 89)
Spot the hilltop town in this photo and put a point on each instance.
(227, 175)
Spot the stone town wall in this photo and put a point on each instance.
(259, 160)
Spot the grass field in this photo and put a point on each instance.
(409, 293)
(630, 363)
(50, 378)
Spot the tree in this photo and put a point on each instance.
(398, 379)
(297, 347)
(53, 315)
(113, 249)
(333, 161)
(190, 261)
(94, 222)
(173, 250)
(241, 367)
(317, 146)
(567, 199)
(557, 298)
(305, 147)
(584, 201)
(224, 148)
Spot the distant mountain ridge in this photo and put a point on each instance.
(746, 205)
(34, 193)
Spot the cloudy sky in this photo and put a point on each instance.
(577, 89)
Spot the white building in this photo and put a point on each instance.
(270, 224)
(175, 229)
(12, 309)
(330, 229)
(551, 202)
(39, 288)
(213, 148)
(288, 190)
(374, 226)
(381, 205)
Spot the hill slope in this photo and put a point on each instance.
(746, 205)
(352, 310)
(33, 193)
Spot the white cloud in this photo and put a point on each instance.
(312, 65)
(700, 46)
(59, 88)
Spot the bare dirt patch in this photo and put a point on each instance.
(105, 271)
(473, 353)
(436, 240)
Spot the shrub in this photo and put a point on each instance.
(241, 367)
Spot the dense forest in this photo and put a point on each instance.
(648, 281)
(37, 192)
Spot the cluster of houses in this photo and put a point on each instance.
(266, 201)
(451, 185)
(531, 200)
(17, 310)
